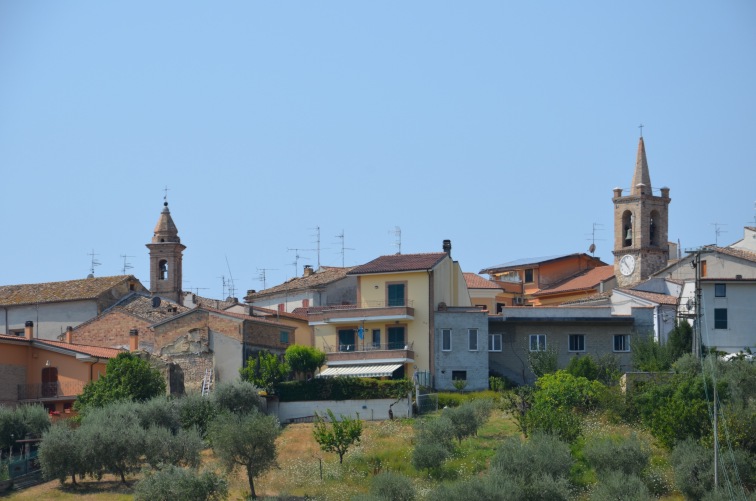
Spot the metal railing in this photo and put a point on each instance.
(39, 391)
(368, 346)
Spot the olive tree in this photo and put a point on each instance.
(337, 436)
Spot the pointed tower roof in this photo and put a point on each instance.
(641, 184)
(165, 229)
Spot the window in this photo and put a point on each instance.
(396, 293)
(720, 290)
(494, 342)
(621, 342)
(395, 338)
(377, 338)
(577, 342)
(538, 342)
(472, 339)
(459, 375)
(50, 382)
(346, 339)
(720, 318)
(446, 339)
(529, 276)
(284, 337)
(703, 268)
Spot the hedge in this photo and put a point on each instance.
(342, 388)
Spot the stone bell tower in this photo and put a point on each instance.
(165, 258)
(640, 227)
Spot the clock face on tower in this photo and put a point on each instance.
(627, 265)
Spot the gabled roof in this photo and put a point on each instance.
(400, 263)
(475, 281)
(739, 253)
(317, 280)
(139, 306)
(53, 292)
(230, 314)
(92, 351)
(533, 261)
(585, 280)
(220, 304)
(651, 296)
(267, 312)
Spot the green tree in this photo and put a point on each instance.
(303, 360)
(181, 483)
(20, 422)
(60, 453)
(247, 441)
(196, 411)
(337, 436)
(163, 447)
(583, 367)
(433, 443)
(518, 402)
(680, 340)
(127, 377)
(265, 371)
(648, 355)
(544, 361)
(239, 397)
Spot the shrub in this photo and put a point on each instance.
(540, 455)
(17, 423)
(265, 371)
(543, 362)
(692, 464)
(649, 356)
(239, 397)
(583, 367)
(342, 388)
(180, 483)
(304, 359)
(196, 411)
(390, 486)
(619, 486)
(337, 436)
(464, 421)
(60, 454)
(627, 455)
(433, 443)
(159, 411)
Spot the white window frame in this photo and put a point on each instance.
(625, 343)
(472, 334)
(492, 342)
(538, 338)
(582, 343)
(445, 332)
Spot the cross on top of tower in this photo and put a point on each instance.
(641, 129)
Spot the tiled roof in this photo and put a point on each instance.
(739, 253)
(399, 263)
(141, 306)
(475, 281)
(322, 277)
(241, 316)
(93, 351)
(220, 304)
(585, 280)
(51, 292)
(593, 298)
(652, 296)
(520, 263)
(267, 312)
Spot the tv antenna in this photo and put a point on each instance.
(297, 257)
(317, 243)
(718, 231)
(196, 290)
(126, 265)
(397, 231)
(343, 248)
(231, 287)
(93, 262)
(596, 227)
(262, 275)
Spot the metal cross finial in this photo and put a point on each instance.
(165, 196)
(641, 130)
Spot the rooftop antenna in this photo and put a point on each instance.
(261, 276)
(223, 281)
(397, 231)
(596, 227)
(231, 288)
(343, 248)
(93, 262)
(126, 265)
(718, 231)
(196, 290)
(317, 242)
(297, 257)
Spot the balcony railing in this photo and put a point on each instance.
(368, 346)
(39, 391)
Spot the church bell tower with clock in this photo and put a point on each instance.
(640, 227)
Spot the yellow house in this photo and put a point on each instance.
(390, 331)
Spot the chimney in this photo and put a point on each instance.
(29, 330)
(447, 246)
(69, 334)
(307, 270)
(133, 340)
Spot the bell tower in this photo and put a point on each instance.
(640, 227)
(165, 258)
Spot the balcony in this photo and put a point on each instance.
(369, 352)
(50, 391)
(366, 311)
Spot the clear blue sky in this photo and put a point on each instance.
(503, 126)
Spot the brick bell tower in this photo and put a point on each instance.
(640, 227)
(165, 258)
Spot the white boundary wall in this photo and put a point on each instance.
(368, 410)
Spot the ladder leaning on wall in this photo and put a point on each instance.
(207, 382)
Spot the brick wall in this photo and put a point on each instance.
(112, 330)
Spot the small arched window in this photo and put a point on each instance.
(163, 270)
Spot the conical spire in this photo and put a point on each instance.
(165, 229)
(641, 178)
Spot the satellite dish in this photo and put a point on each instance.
(155, 302)
(592, 248)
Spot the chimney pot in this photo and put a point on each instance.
(69, 335)
(307, 270)
(29, 329)
(447, 246)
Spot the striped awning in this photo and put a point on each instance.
(379, 370)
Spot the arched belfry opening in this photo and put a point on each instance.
(163, 270)
(627, 229)
(653, 228)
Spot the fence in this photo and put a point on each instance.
(427, 402)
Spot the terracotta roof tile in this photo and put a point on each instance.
(241, 316)
(50, 292)
(94, 351)
(585, 280)
(532, 261)
(320, 278)
(399, 263)
(652, 296)
(141, 306)
(739, 253)
(475, 281)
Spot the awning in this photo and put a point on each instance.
(380, 370)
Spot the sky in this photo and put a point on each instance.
(379, 126)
